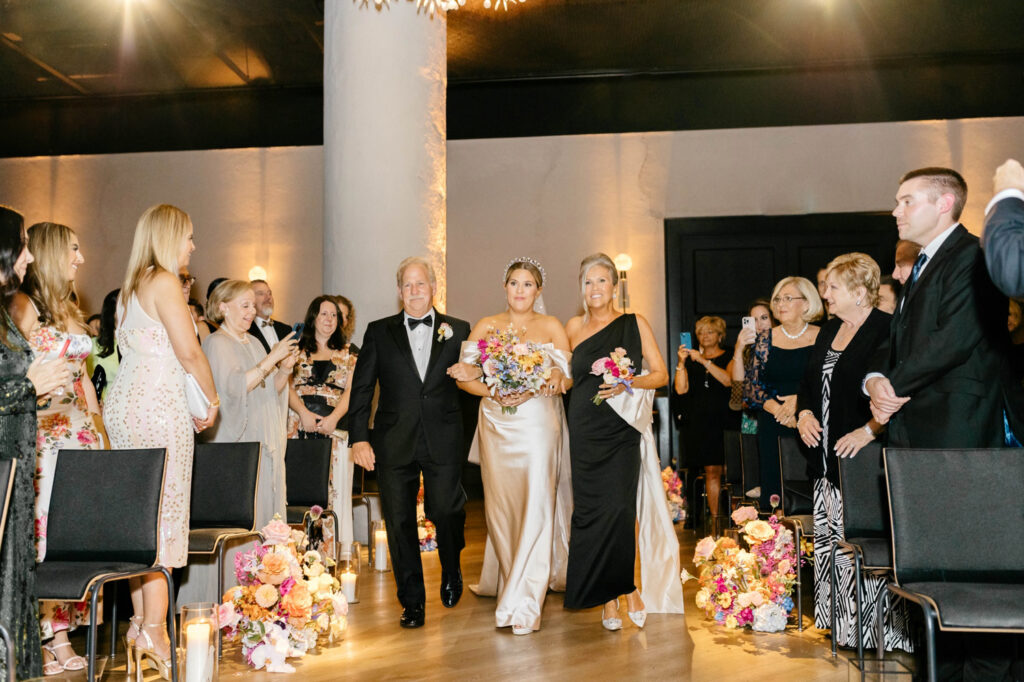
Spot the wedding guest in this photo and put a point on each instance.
(94, 325)
(348, 321)
(22, 380)
(835, 421)
(605, 449)
(217, 281)
(146, 405)
(318, 398)
(706, 413)
(48, 316)
(520, 442)
(888, 294)
(1004, 229)
(267, 330)
(821, 291)
(741, 399)
(906, 253)
(187, 280)
(780, 357)
(195, 309)
(102, 364)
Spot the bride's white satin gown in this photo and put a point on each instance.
(527, 500)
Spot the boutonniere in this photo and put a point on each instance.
(444, 332)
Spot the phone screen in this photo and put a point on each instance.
(685, 340)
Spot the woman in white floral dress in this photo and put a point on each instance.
(68, 419)
(146, 404)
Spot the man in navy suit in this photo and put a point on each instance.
(1004, 230)
(417, 429)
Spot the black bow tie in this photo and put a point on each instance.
(413, 322)
(266, 323)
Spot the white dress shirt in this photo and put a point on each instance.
(266, 328)
(1005, 194)
(419, 340)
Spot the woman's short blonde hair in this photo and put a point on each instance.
(807, 289)
(226, 291)
(857, 270)
(712, 322)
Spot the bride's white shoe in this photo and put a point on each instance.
(638, 617)
(521, 630)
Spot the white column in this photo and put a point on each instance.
(385, 73)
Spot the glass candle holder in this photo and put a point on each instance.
(379, 559)
(197, 660)
(349, 565)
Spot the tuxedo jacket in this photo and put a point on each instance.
(947, 351)
(281, 328)
(408, 408)
(1004, 245)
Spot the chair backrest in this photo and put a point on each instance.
(865, 500)
(307, 471)
(7, 467)
(797, 498)
(224, 479)
(106, 506)
(957, 514)
(733, 457)
(751, 461)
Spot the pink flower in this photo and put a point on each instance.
(316, 511)
(774, 501)
(598, 366)
(276, 532)
(227, 616)
(704, 548)
(744, 514)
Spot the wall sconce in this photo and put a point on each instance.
(257, 272)
(623, 263)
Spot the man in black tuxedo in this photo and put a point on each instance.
(1004, 229)
(940, 380)
(267, 331)
(417, 429)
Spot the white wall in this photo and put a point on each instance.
(554, 198)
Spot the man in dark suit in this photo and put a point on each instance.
(1004, 230)
(417, 429)
(939, 381)
(267, 331)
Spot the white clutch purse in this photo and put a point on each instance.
(198, 403)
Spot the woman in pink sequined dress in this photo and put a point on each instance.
(146, 406)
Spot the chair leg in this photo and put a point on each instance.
(171, 612)
(337, 531)
(929, 635)
(832, 594)
(799, 581)
(879, 627)
(220, 590)
(113, 621)
(90, 644)
(858, 596)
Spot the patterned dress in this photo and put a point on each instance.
(17, 554)
(64, 424)
(146, 408)
(327, 380)
(828, 529)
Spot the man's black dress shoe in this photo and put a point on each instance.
(451, 588)
(412, 617)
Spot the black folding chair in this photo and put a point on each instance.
(7, 467)
(307, 472)
(732, 477)
(956, 525)
(797, 506)
(92, 539)
(751, 461)
(223, 508)
(865, 528)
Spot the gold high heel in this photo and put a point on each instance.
(148, 650)
(129, 642)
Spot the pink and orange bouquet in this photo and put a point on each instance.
(284, 602)
(614, 369)
(512, 367)
(674, 494)
(741, 588)
(424, 527)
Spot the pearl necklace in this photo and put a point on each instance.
(794, 336)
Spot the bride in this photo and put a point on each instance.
(522, 460)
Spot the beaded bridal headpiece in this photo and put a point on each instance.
(531, 261)
(538, 304)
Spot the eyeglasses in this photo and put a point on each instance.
(788, 299)
(187, 280)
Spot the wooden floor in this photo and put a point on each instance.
(463, 644)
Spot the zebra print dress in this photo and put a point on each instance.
(828, 529)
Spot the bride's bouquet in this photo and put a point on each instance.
(614, 369)
(511, 367)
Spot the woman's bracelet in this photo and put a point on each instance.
(216, 402)
(867, 430)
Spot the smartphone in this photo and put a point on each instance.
(748, 323)
(686, 340)
(297, 328)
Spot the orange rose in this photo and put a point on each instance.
(274, 569)
(298, 602)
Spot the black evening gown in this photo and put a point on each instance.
(605, 456)
(706, 415)
(18, 605)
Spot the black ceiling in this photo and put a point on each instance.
(93, 76)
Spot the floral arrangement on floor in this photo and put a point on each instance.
(674, 494)
(511, 367)
(284, 602)
(614, 369)
(425, 528)
(741, 588)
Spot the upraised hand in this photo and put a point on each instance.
(283, 349)
(1010, 175)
